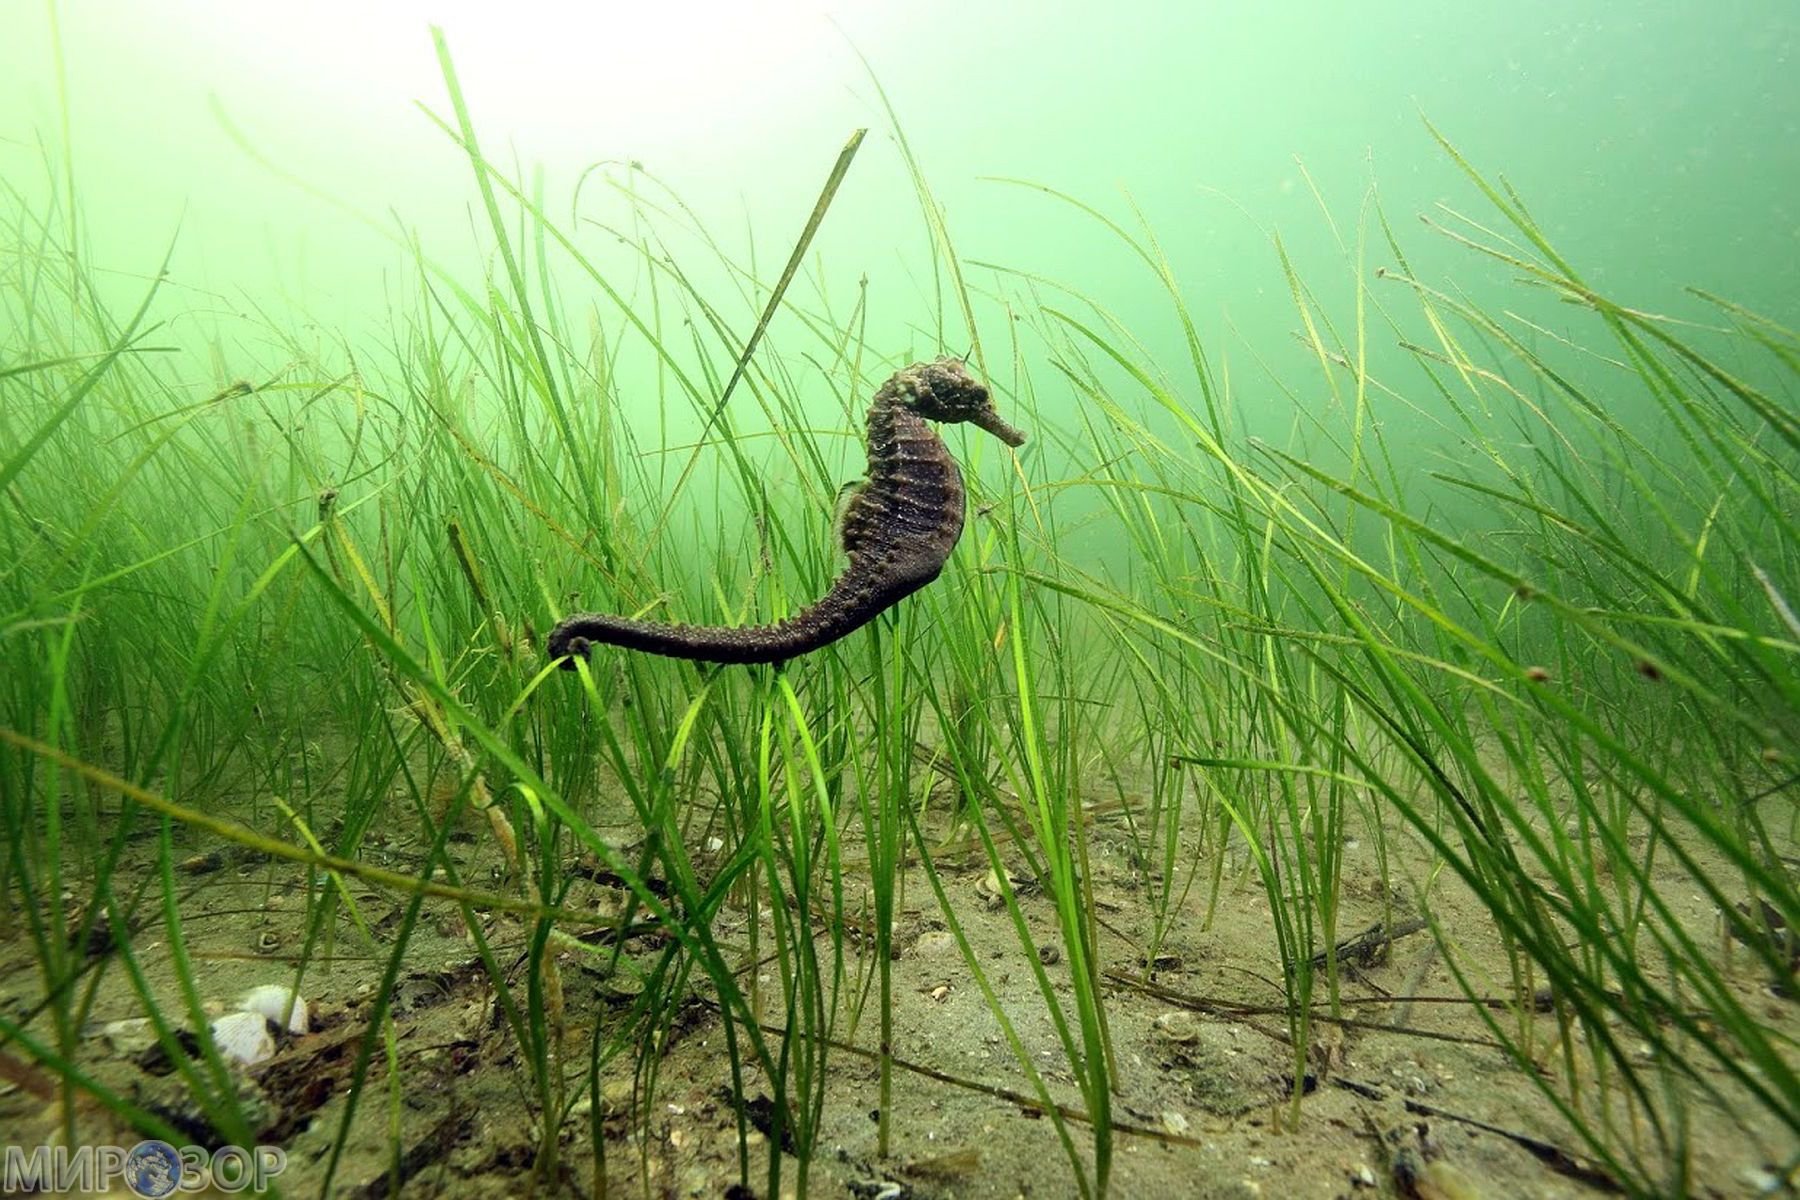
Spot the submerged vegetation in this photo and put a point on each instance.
(292, 616)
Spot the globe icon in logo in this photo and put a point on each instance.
(152, 1169)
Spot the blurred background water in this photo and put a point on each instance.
(1657, 143)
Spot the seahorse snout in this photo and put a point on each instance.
(991, 421)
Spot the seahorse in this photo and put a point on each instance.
(897, 526)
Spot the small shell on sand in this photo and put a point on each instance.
(280, 1004)
(934, 942)
(244, 1037)
(1177, 1026)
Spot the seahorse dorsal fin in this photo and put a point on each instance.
(840, 520)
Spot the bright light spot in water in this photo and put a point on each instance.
(552, 71)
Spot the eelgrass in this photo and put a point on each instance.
(1550, 790)
(1586, 679)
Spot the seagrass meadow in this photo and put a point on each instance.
(1353, 749)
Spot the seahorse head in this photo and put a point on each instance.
(943, 390)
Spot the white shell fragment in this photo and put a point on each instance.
(280, 1004)
(244, 1037)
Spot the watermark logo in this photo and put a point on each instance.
(149, 1169)
(152, 1169)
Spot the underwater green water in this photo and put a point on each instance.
(1656, 142)
(290, 163)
